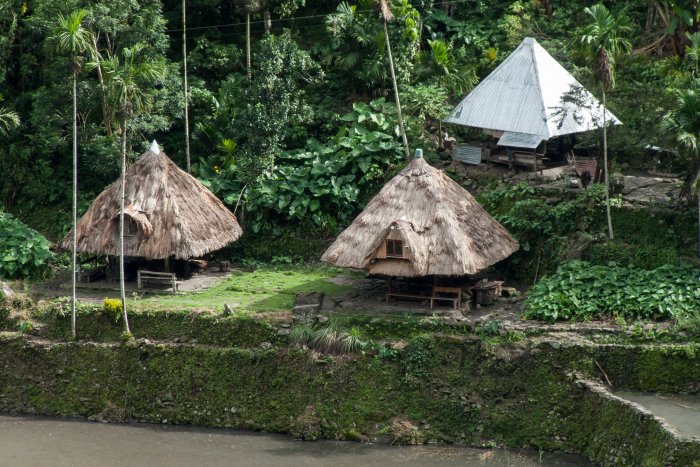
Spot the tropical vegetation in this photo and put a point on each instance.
(295, 112)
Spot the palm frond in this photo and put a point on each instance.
(9, 120)
(71, 37)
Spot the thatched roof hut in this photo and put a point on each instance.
(167, 213)
(422, 223)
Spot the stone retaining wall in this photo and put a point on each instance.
(440, 388)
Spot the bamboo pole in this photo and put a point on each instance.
(74, 262)
(184, 66)
(396, 92)
(605, 166)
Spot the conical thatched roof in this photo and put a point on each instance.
(167, 213)
(443, 230)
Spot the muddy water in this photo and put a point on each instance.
(683, 412)
(33, 441)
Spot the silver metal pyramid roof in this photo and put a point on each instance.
(531, 93)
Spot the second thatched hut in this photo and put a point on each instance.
(422, 223)
(168, 213)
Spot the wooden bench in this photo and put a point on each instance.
(409, 296)
(153, 277)
(392, 293)
(454, 295)
(93, 274)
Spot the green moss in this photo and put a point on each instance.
(661, 368)
(184, 326)
(458, 389)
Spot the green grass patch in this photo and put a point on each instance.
(265, 289)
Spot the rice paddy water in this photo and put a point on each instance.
(34, 441)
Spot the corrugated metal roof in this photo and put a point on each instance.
(519, 140)
(467, 154)
(530, 93)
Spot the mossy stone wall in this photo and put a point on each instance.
(444, 388)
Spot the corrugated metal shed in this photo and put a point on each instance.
(467, 154)
(519, 140)
(530, 93)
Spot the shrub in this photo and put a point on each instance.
(387, 352)
(638, 256)
(328, 340)
(301, 335)
(416, 358)
(24, 252)
(14, 307)
(112, 307)
(580, 290)
(543, 221)
(4, 308)
(25, 327)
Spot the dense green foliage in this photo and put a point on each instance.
(24, 252)
(548, 225)
(322, 184)
(277, 148)
(580, 291)
(553, 226)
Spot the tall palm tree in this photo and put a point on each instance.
(71, 38)
(388, 16)
(128, 81)
(604, 39)
(683, 123)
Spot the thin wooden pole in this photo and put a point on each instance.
(247, 45)
(74, 263)
(122, 284)
(184, 67)
(396, 92)
(605, 166)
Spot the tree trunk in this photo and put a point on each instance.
(106, 120)
(122, 285)
(605, 168)
(184, 67)
(247, 46)
(74, 262)
(396, 92)
(548, 9)
(268, 20)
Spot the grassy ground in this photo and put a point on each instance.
(265, 289)
(268, 288)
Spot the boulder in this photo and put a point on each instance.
(307, 306)
(309, 298)
(229, 308)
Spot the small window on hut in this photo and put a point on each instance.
(130, 227)
(394, 248)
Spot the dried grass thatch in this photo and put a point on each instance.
(444, 230)
(168, 213)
